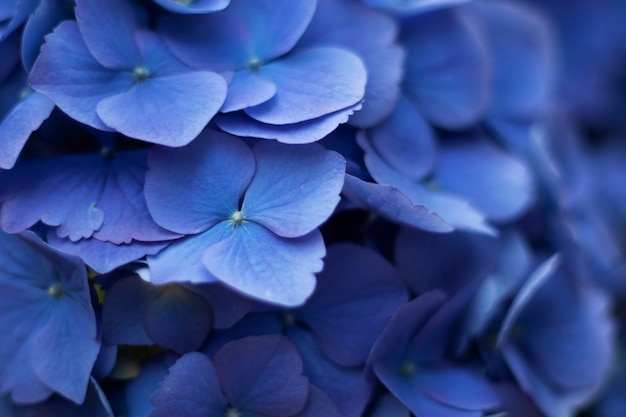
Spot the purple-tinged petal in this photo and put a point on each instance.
(393, 205)
(494, 182)
(258, 263)
(357, 293)
(247, 32)
(67, 73)
(190, 189)
(123, 203)
(123, 312)
(295, 188)
(169, 111)
(458, 387)
(404, 141)
(27, 198)
(318, 404)
(178, 319)
(346, 386)
(193, 6)
(104, 257)
(228, 306)
(262, 374)
(241, 124)
(190, 389)
(311, 84)
(102, 197)
(108, 29)
(247, 89)
(16, 126)
(445, 70)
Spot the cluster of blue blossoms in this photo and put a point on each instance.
(312, 208)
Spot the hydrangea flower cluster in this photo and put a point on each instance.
(312, 208)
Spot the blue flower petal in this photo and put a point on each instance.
(247, 89)
(494, 182)
(67, 73)
(166, 266)
(258, 263)
(310, 84)
(178, 319)
(318, 404)
(15, 12)
(45, 303)
(123, 311)
(408, 389)
(104, 257)
(346, 386)
(297, 133)
(193, 6)
(247, 32)
(17, 126)
(458, 387)
(357, 293)
(446, 69)
(371, 35)
(190, 389)
(102, 197)
(296, 203)
(262, 375)
(169, 111)
(404, 140)
(46, 17)
(190, 189)
(108, 29)
(393, 205)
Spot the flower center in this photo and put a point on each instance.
(237, 218)
(288, 319)
(141, 74)
(55, 290)
(254, 64)
(233, 412)
(407, 368)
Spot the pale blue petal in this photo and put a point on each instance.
(295, 188)
(311, 84)
(255, 261)
(298, 133)
(108, 29)
(248, 30)
(169, 111)
(190, 189)
(193, 6)
(67, 73)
